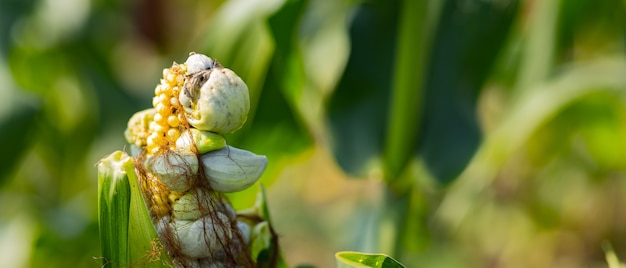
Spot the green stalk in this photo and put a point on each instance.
(416, 24)
(414, 40)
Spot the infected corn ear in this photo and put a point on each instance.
(195, 103)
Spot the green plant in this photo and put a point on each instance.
(181, 167)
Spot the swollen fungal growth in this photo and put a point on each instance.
(186, 164)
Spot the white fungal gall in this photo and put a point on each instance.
(196, 204)
(199, 62)
(215, 100)
(200, 238)
(174, 169)
(187, 206)
(231, 169)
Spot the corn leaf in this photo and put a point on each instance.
(126, 231)
(145, 248)
(113, 208)
(347, 259)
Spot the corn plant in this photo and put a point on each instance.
(168, 197)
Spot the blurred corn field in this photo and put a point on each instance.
(457, 133)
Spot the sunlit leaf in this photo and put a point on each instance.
(611, 258)
(348, 259)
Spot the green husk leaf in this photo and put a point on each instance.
(145, 248)
(113, 208)
(348, 259)
(127, 235)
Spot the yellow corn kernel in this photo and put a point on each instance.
(159, 118)
(172, 120)
(165, 99)
(155, 101)
(171, 79)
(174, 102)
(160, 108)
(150, 141)
(157, 90)
(167, 91)
(173, 134)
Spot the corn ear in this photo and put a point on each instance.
(127, 235)
(114, 208)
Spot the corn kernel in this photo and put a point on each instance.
(150, 141)
(161, 129)
(157, 90)
(165, 99)
(155, 150)
(165, 72)
(158, 118)
(160, 108)
(155, 101)
(167, 90)
(173, 134)
(172, 120)
(154, 126)
(171, 78)
(174, 102)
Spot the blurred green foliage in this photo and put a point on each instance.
(485, 133)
